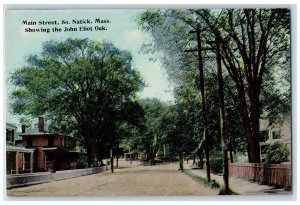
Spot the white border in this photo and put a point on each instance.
(61, 4)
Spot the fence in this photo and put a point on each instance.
(18, 180)
(272, 174)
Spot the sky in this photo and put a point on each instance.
(122, 31)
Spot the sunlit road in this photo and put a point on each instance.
(129, 180)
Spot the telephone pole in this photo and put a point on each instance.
(223, 128)
(204, 142)
(223, 123)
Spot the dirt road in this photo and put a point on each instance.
(129, 180)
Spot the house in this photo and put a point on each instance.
(18, 159)
(273, 133)
(53, 151)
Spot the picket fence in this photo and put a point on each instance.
(272, 174)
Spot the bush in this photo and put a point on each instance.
(216, 162)
(277, 153)
(82, 162)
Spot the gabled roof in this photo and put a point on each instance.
(264, 124)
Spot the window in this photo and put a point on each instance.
(276, 134)
(10, 135)
(50, 141)
(264, 135)
(29, 142)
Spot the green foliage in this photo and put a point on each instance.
(257, 46)
(277, 153)
(212, 184)
(79, 84)
(83, 162)
(216, 162)
(148, 19)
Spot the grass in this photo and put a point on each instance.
(212, 184)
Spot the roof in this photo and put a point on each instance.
(59, 148)
(12, 148)
(10, 126)
(37, 133)
(265, 123)
(43, 134)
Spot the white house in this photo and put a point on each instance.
(275, 132)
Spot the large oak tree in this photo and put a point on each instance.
(86, 81)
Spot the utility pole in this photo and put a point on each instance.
(223, 128)
(117, 154)
(222, 113)
(205, 139)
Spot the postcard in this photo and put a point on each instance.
(148, 102)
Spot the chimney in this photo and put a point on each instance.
(23, 128)
(41, 124)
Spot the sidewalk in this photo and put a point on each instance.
(240, 186)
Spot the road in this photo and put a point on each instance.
(129, 180)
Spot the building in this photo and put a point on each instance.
(53, 151)
(273, 133)
(18, 159)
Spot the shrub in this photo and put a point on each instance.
(216, 162)
(82, 162)
(277, 153)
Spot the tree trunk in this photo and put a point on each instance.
(200, 155)
(250, 118)
(204, 111)
(117, 161)
(201, 161)
(254, 147)
(90, 152)
(111, 160)
(207, 163)
(180, 161)
(231, 155)
(222, 117)
(90, 155)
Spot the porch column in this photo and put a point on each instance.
(31, 162)
(17, 162)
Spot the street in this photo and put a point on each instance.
(129, 180)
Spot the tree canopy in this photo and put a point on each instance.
(255, 43)
(86, 82)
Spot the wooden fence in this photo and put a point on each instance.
(272, 174)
